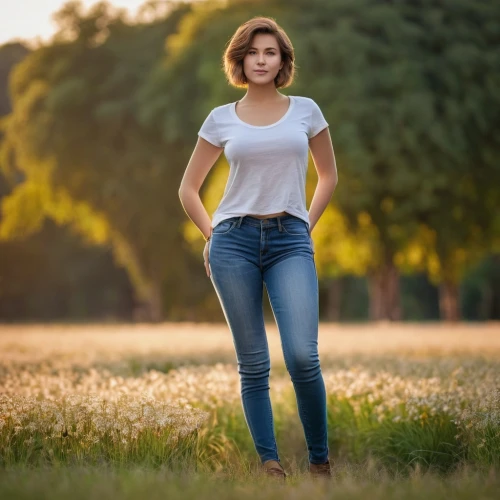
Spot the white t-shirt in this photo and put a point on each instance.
(268, 164)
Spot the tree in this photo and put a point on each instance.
(414, 127)
(88, 161)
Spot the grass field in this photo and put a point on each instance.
(137, 410)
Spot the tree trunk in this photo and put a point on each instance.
(155, 302)
(384, 293)
(150, 307)
(333, 299)
(449, 301)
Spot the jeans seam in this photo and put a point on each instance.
(271, 420)
(294, 234)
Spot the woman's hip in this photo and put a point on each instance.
(238, 241)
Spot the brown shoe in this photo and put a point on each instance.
(273, 469)
(321, 470)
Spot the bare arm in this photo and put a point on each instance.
(202, 160)
(324, 161)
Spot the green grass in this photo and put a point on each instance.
(351, 482)
(433, 443)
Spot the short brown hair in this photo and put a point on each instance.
(240, 42)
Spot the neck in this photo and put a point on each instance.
(261, 93)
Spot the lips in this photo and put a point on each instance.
(260, 72)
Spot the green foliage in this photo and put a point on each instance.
(75, 115)
(105, 117)
(411, 86)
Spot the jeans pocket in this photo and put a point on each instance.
(295, 227)
(225, 226)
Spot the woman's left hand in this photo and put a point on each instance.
(206, 258)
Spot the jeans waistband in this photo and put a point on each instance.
(256, 222)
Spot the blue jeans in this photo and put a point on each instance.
(244, 254)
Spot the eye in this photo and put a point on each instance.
(270, 52)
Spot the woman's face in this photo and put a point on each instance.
(262, 61)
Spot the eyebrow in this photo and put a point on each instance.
(268, 48)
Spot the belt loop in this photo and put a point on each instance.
(240, 221)
(279, 224)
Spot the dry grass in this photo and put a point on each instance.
(209, 343)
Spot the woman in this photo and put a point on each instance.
(261, 231)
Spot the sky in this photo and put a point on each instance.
(29, 19)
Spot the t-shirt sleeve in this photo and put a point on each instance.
(317, 120)
(209, 130)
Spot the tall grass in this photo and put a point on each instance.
(419, 413)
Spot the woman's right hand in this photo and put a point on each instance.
(205, 257)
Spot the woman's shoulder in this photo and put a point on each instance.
(221, 112)
(308, 105)
(305, 101)
(223, 108)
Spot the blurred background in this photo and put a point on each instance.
(100, 105)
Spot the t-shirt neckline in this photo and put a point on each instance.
(239, 120)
